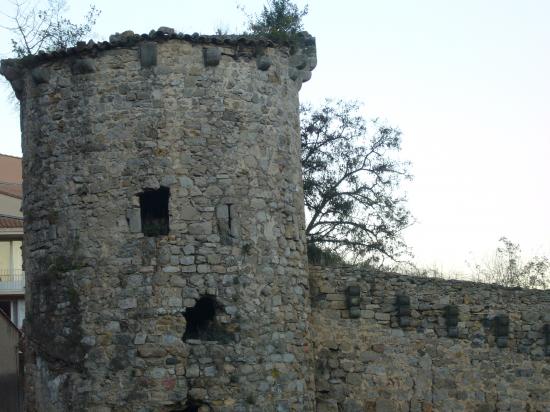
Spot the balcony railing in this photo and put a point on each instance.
(12, 281)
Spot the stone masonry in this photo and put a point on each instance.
(165, 252)
(424, 345)
(194, 139)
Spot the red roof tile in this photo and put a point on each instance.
(9, 222)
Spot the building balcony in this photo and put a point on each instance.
(12, 282)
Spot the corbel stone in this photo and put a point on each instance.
(312, 62)
(212, 56)
(502, 329)
(40, 75)
(353, 299)
(403, 303)
(263, 62)
(83, 66)
(17, 86)
(451, 320)
(299, 61)
(9, 71)
(293, 73)
(148, 54)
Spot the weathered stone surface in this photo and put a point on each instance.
(148, 54)
(110, 305)
(212, 56)
(365, 363)
(263, 62)
(40, 75)
(83, 66)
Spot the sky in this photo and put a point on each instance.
(467, 82)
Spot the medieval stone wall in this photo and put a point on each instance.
(387, 342)
(165, 253)
(112, 132)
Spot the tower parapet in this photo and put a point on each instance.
(164, 230)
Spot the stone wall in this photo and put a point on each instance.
(415, 344)
(165, 252)
(204, 130)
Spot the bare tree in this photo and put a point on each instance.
(34, 28)
(507, 268)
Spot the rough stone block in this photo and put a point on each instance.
(298, 61)
(502, 341)
(452, 332)
(212, 56)
(354, 301)
(263, 63)
(403, 300)
(354, 312)
(385, 405)
(83, 66)
(354, 290)
(148, 54)
(404, 311)
(382, 316)
(134, 220)
(166, 30)
(40, 75)
(293, 73)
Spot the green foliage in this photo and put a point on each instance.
(280, 20)
(350, 181)
(507, 268)
(323, 257)
(46, 29)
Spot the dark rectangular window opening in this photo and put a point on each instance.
(229, 217)
(154, 211)
(5, 306)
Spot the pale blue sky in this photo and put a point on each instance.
(468, 83)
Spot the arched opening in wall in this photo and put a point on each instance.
(202, 323)
(192, 406)
(200, 319)
(154, 211)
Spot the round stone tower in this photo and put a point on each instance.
(164, 232)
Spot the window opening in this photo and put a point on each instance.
(5, 306)
(154, 212)
(229, 217)
(200, 319)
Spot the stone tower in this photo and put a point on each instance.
(164, 232)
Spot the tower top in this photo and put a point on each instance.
(302, 51)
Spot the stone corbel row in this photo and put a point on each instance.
(303, 61)
(40, 75)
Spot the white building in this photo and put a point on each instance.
(12, 277)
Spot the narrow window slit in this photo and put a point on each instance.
(154, 211)
(229, 217)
